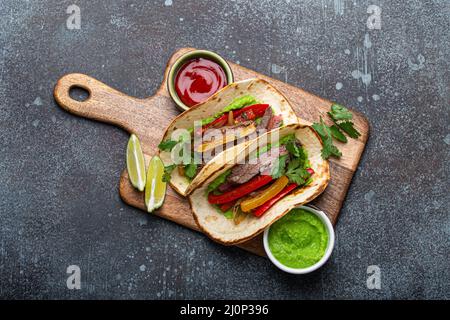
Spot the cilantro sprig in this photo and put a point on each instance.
(190, 170)
(298, 175)
(167, 145)
(167, 172)
(339, 113)
(295, 168)
(279, 166)
(328, 149)
(342, 119)
(337, 134)
(349, 129)
(189, 167)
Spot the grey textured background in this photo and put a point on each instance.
(59, 202)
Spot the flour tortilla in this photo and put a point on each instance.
(258, 88)
(223, 230)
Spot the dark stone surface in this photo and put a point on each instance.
(59, 202)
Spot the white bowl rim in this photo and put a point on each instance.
(319, 263)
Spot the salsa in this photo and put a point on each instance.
(299, 239)
(198, 79)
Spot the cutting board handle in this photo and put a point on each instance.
(103, 104)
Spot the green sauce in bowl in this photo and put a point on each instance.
(299, 239)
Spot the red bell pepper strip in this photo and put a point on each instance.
(269, 203)
(247, 115)
(242, 190)
(257, 109)
(223, 118)
(227, 206)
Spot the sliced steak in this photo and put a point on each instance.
(274, 122)
(226, 186)
(242, 173)
(265, 119)
(268, 159)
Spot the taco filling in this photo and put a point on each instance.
(268, 176)
(241, 118)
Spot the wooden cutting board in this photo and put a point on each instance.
(148, 118)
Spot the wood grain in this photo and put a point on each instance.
(148, 118)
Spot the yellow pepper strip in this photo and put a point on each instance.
(268, 194)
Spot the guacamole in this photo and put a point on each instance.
(299, 239)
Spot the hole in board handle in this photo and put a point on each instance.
(78, 93)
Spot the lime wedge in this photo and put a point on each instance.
(155, 188)
(135, 163)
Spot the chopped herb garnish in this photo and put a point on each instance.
(297, 165)
(190, 170)
(279, 167)
(348, 128)
(341, 117)
(286, 139)
(293, 149)
(328, 149)
(296, 150)
(337, 134)
(339, 113)
(167, 145)
(298, 175)
(167, 172)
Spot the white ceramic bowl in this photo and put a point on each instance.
(319, 263)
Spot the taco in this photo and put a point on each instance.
(239, 112)
(282, 169)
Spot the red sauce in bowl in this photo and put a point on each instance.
(198, 79)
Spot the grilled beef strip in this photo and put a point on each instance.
(274, 122)
(225, 129)
(226, 186)
(265, 119)
(242, 173)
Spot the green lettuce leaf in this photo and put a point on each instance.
(218, 181)
(239, 103)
